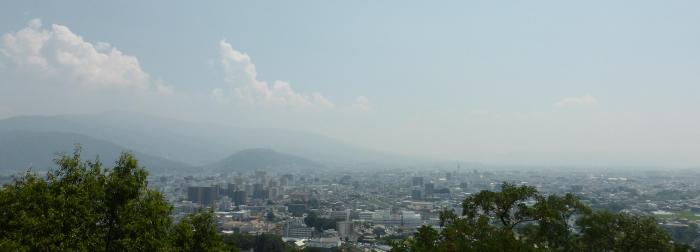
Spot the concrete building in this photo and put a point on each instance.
(324, 243)
(365, 215)
(239, 197)
(295, 228)
(205, 195)
(429, 188)
(417, 181)
(345, 229)
(259, 192)
(416, 194)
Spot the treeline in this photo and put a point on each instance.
(82, 206)
(519, 218)
(319, 223)
(261, 242)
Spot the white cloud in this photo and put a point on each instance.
(361, 103)
(56, 55)
(578, 101)
(245, 87)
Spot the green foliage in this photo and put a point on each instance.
(507, 206)
(312, 220)
(270, 216)
(605, 231)
(685, 234)
(518, 218)
(259, 243)
(197, 232)
(81, 206)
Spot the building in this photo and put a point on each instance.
(259, 192)
(385, 217)
(345, 229)
(340, 215)
(230, 190)
(241, 215)
(298, 232)
(416, 194)
(205, 195)
(429, 188)
(274, 192)
(411, 219)
(295, 228)
(418, 181)
(239, 197)
(324, 243)
(365, 215)
(287, 180)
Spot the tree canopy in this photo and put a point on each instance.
(519, 218)
(81, 206)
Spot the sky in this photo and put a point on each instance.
(551, 83)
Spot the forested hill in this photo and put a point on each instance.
(261, 159)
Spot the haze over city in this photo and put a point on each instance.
(545, 83)
(350, 126)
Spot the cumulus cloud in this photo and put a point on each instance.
(56, 55)
(577, 101)
(361, 103)
(245, 87)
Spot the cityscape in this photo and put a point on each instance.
(350, 126)
(368, 206)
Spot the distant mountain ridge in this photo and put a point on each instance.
(23, 150)
(261, 159)
(196, 144)
(20, 150)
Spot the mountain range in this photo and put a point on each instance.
(163, 144)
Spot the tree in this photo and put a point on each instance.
(379, 231)
(270, 216)
(553, 215)
(606, 231)
(312, 220)
(197, 232)
(426, 239)
(136, 217)
(259, 243)
(507, 206)
(491, 221)
(81, 206)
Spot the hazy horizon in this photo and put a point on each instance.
(578, 84)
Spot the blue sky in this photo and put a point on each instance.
(518, 82)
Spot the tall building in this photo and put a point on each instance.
(205, 195)
(464, 186)
(230, 189)
(259, 192)
(260, 175)
(239, 197)
(273, 192)
(345, 229)
(418, 181)
(429, 188)
(416, 194)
